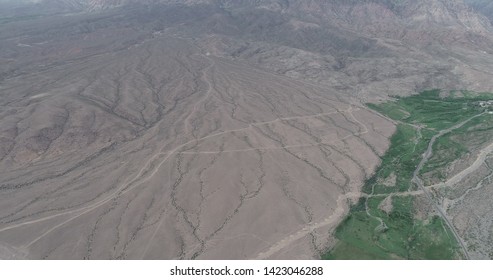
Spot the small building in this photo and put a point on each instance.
(486, 104)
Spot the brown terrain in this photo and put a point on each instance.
(213, 129)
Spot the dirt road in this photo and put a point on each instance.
(332, 220)
(483, 154)
(416, 180)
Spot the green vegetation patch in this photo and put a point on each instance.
(403, 237)
(454, 145)
(369, 232)
(445, 151)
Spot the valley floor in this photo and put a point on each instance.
(418, 202)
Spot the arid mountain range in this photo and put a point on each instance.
(214, 129)
(443, 42)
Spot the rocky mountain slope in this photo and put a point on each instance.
(484, 7)
(120, 118)
(412, 21)
(369, 48)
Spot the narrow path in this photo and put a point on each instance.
(339, 211)
(483, 154)
(332, 220)
(150, 169)
(416, 180)
(159, 225)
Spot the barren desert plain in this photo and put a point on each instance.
(246, 129)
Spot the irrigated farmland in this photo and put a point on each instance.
(402, 214)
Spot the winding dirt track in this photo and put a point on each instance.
(342, 201)
(332, 220)
(138, 180)
(483, 154)
(416, 180)
(210, 144)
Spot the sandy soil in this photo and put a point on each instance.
(159, 151)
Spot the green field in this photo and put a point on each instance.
(371, 233)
